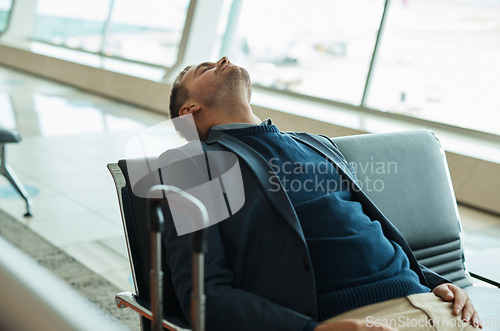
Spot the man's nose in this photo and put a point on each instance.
(223, 60)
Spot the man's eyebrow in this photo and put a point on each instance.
(204, 64)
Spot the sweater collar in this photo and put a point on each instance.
(231, 126)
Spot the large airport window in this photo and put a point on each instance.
(147, 31)
(74, 24)
(436, 60)
(318, 48)
(439, 61)
(5, 7)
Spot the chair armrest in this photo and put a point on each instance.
(128, 300)
(482, 266)
(486, 280)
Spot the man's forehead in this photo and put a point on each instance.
(188, 75)
(192, 71)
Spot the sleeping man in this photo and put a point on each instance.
(304, 257)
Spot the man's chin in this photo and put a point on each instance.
(238, 76)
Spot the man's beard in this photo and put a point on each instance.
(236, 82)
(240, 79)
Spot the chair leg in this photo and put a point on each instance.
(12, 178)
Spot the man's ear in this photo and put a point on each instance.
(189, 109)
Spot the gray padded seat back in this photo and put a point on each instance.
(406, 175)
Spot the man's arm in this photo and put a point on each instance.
(447, 291)
(462, 305)
(433, 279)
(228, 308)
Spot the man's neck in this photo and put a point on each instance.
(227, 115)
(236, 113)
(252, 119)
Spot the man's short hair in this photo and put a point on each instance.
(178, 95)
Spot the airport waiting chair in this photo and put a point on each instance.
(134, 211)
(7, 137)
(404, 173)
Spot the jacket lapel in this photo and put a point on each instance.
(336, 159)
(262, 171)
(370, 209)
(341, 166)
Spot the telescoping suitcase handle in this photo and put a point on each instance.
(198, 246)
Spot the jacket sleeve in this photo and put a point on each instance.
(227, 307)
(433, 279)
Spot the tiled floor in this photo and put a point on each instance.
(68, 138)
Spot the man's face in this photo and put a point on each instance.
(213, 84)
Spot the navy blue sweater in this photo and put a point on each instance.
(354, 264)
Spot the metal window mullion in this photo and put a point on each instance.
(184, 39)
(105, 28)
(376, 48)
(231, 27)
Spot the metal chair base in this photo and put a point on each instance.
(8, 173)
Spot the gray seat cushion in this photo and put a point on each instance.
(487, 303)
(9, 136)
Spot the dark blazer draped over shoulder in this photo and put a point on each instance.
(258, 273)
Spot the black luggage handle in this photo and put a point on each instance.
(198, 246)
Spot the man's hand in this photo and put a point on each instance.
(351, 325)
(461, 302)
